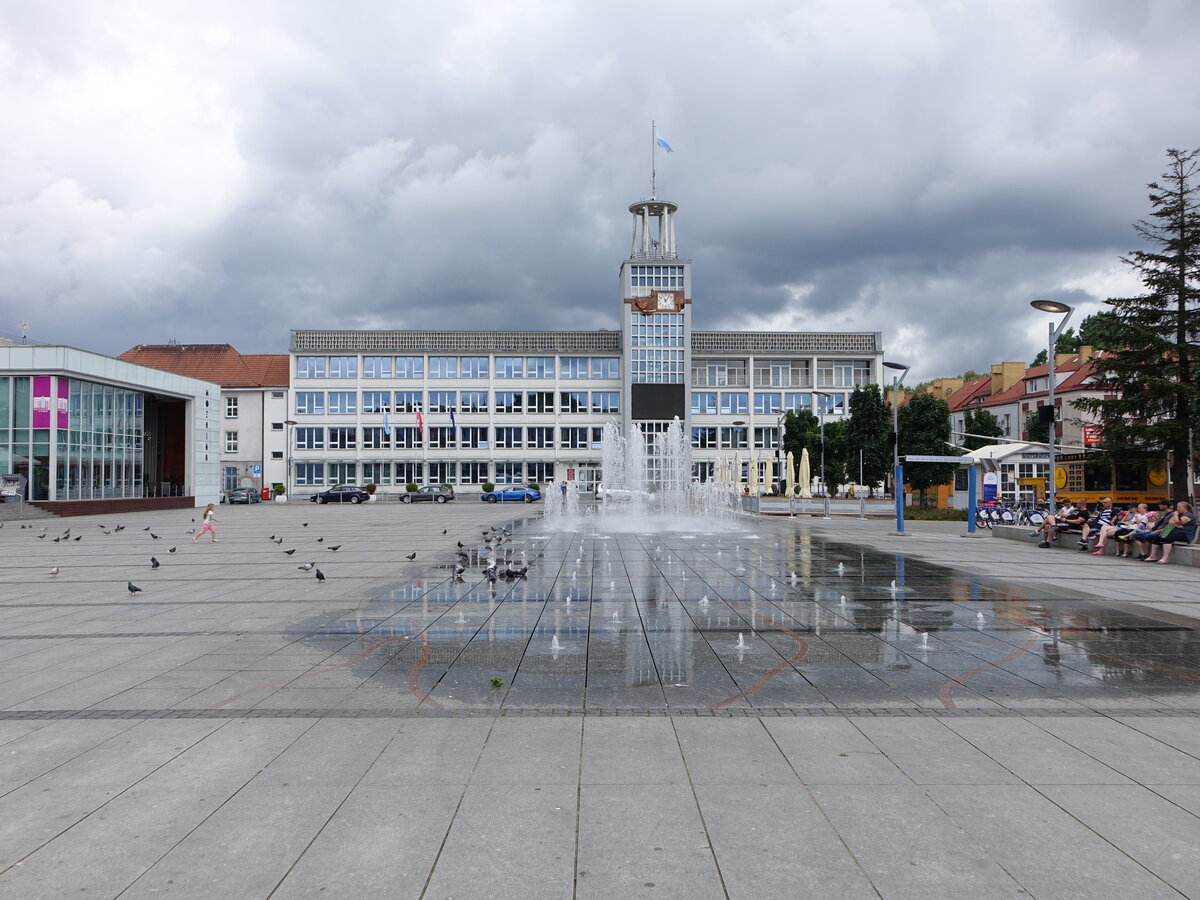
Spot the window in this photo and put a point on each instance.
(377, 367)
(510, 366)
(276, 454)
(719, 373)
(834, 404)
(733, 438)
(508, 437)
(573, 402)
(409, 401)
(768, 402)
(539, 402)
(376, 401)
(231, 442)
(310, 367)
(410, 367)
(704, 402)
(277, 426)
(472, 473)
(310, 438)
(656, 348)
(231, 407)
(406, 438)
(443, 473)
(540, 472)
(343, 473)
(573, 438)
(843, 373)
(573, 367)
(343, 367)
(474, 366)
(509, 401)
(604, 367)
(704, 438)
(797, 401)
(308, 473)
(781, 373)
(375, 438)
(342, 403)
(510, 473)
(766, 438)
(597, 436)
(473, 436)
(442, 401)
(276, 395)
(539, 366)
(443, 367)
(473, 401)
(734, 403)
(441, 437)
(605, 401)
(377, 472)
(655, 277)
(539, 436)
(310, 403)
(343, 438)
(409, 473)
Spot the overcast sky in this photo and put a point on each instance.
(225, 172)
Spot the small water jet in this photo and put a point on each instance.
(741, 644)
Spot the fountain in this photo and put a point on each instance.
(741, 644)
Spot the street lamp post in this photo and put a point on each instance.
(1055, 308)
(897, 469)
(823, 408)
(289, 457)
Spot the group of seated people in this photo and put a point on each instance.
(1151, 534)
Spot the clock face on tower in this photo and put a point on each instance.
(666, 300)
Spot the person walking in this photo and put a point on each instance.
(210, 516)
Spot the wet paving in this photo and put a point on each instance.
(773, 619)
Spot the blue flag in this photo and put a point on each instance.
(658, 139)
(387, 425)
(453, 426)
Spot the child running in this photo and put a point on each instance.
(210, 516)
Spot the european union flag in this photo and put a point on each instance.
(658, 139)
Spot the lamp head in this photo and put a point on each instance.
(1050, 306)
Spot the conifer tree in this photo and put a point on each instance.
(979, 425)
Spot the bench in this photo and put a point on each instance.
(1183, 554)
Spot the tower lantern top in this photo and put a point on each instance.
(653, 230)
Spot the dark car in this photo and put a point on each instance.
(342, 493)
(435, 492)
(523, 494)
(243, 495)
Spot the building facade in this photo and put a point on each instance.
(468, 407)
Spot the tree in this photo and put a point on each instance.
(869, 431)
(925, 430)
(1036, 430)
(1067, 342)
(835, 455)
(980, 422)
(801, 429)
(1152, 392)
(1102, 331)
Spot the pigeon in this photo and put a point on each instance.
(172, 550)
(40, 536)
(147, 528)
(153, 535)
(460, 545)
(119, 528)
(303, 524)
(320, 576)
(154, 563)
(444, 530)
(100, 526)
(280, 540)
(80, 538)
(57, 539)
(191, 531)
(335, 548)
(133, 588)
(289, 552)
(307, 567)
(271, 538)
(411, 556)
(320, 540)
(54, 571)
(106, 531)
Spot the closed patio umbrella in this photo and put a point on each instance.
(789, 474)
(805, 477)
(752, 476)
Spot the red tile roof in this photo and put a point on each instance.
(218, 363)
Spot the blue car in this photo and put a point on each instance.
(524, 494)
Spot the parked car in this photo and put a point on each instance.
(605, 493)
(524, 494)
(243, 495)
(342, 493)
(435, 492)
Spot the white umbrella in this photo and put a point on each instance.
(735, 474)
(805, 477)
(769, 474)
(789, 474)
(752, 477)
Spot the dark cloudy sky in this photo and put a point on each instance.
(217, 172)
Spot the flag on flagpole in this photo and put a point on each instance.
(387, 425)
(453, 425)
(661, 141)
(420, 422)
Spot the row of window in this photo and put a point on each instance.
(567, 367)
(316, 474)
(765, 402)
(351, 402)
(480, 437)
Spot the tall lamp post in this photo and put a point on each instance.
(781, 425)
(897, 469)
(1055, 308)
(823, 409)
(288, 457)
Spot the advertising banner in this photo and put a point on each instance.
(1093, 435)
(64, 403)
(40, 402)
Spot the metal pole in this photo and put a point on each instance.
(970, 499)
(1053, 426)
(897, 469)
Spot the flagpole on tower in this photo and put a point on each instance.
(653, 133)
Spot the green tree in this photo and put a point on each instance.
(801, 429)
(1035, 429)
(1152, 392)
(1067, 342)
(982, 423)
(869, 432)
(835, 455)
(1102, 331)
(925, 431)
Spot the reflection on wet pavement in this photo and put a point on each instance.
(770, 619)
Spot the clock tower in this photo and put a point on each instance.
(656, 321)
